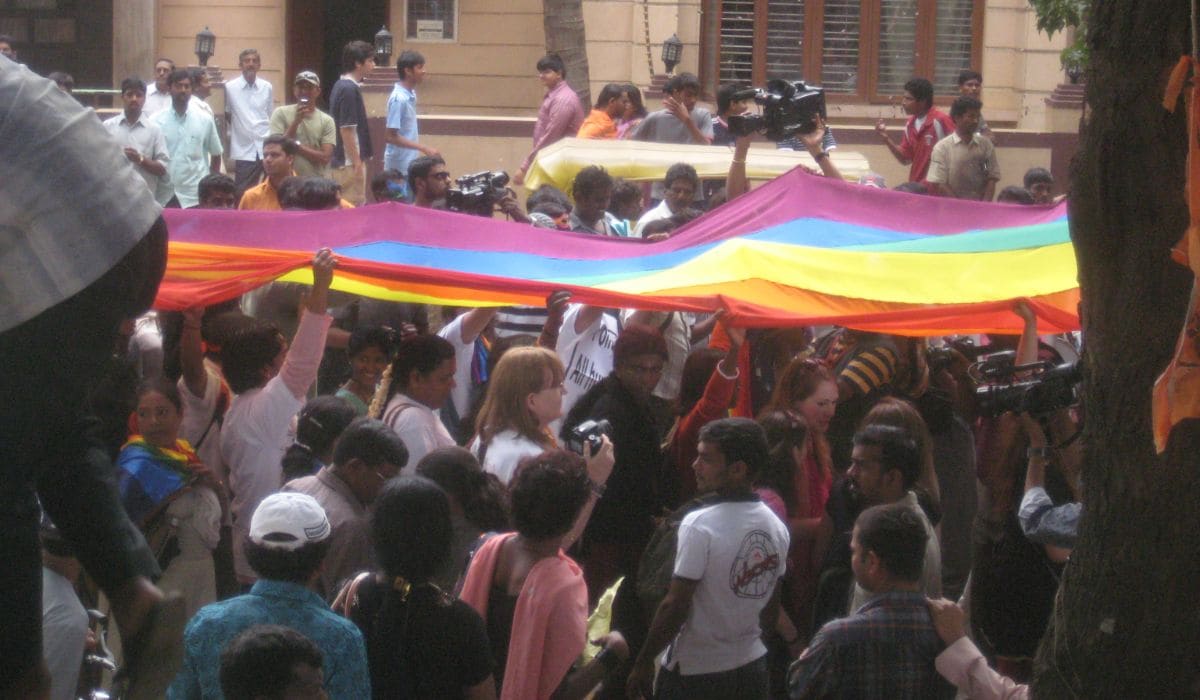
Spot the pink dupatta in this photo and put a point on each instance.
(549, 625)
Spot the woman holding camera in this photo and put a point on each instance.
(524, 396)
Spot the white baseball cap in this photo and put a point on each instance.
(288, 521)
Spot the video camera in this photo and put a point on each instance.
(788, 108)
(478, 193)
(1050, 388)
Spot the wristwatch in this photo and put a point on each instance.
(822, 154)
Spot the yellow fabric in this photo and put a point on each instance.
(599, 622)
(642, 161)
(911, 278)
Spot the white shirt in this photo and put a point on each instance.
(253, 440)
(249, 106)
(198, 417)
(587, 356)
(464, 353)
(59, 234)
(419, 426)
(64, 630)
(506, 449)
(737, 551)
(156, 101)
(662, 211)
(148, 140)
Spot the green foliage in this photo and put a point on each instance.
(1057, 15)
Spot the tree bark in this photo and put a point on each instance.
(1127, 618)
(565, 36)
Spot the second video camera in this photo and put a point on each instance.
(788, 108)
(478, 193)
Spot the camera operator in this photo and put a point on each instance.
(736, 182)
(429, 180)
(1041, 520)
(1013, 579)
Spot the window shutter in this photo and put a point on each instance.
(840, 45)
(785, 39)
(897, 45)
(955, 19)
(737, 41)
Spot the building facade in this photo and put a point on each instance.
(482, 84)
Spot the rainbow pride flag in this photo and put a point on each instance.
(799, 250)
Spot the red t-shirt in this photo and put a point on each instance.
(918, 144)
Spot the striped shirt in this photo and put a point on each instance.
(871, 368)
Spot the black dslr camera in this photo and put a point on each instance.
(1050, 388)
(588, 433)
(478, 193)
(788, 108)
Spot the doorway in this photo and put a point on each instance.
(318, 29)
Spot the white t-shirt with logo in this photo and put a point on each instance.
(737, 551)
(587, 356)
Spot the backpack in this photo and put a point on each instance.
(657, 564)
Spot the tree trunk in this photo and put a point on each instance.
(1127, 619)
(565, 36)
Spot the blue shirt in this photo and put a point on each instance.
(278, 603)
(401, 116)
(191, 142)
(1045, 523)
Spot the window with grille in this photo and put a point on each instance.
(860, 48)
(431, 20)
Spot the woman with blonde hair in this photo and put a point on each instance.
(524, 395)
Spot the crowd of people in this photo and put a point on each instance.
(343, 497)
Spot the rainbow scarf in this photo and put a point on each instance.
(149, 476)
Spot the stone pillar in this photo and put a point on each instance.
(135, 31)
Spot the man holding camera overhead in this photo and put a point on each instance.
(312, 130)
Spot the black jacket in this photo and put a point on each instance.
(633, 493)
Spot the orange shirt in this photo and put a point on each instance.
(261, 197)
(598, 125)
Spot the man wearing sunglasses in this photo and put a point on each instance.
(429, 180)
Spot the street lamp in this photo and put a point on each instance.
(672, 49)
(206, 46)
(383, 46)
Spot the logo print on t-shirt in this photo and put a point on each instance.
(755, 566)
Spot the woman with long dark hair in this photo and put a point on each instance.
(421, 643)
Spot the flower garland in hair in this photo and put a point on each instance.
(379, 401)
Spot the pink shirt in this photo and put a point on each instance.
(560, 116)
(255, 433)
(963, 665)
